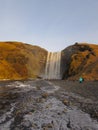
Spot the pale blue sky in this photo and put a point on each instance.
(51, 24)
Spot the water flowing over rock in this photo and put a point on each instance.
(52, 70)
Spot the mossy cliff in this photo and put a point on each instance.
(21, 61)
(80, 59)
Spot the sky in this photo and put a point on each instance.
(50, 24)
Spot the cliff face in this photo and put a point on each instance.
(80, 60)
(21, 61)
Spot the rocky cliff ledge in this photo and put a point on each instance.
(80, 59)
(21, 61)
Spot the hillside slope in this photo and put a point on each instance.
(80, 60)
(21, 61)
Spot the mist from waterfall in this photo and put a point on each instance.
(52, 70)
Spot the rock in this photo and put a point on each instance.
(65, 102)
(34, 125)
(38, 87)
(26, 123)
(65, 110)
(47, 126)
(38, 100)
(45, 95)
(49, 105)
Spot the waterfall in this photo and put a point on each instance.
(52, 70)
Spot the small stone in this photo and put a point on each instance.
(38, 87)
(65, 110)
(65, 101)
(34, 125)
(26, 123)
(59, 113)
(49, 105)
(46, 126)
(30, 113)
(45, 95)
(42, 100)
(49, 125)
(38, 100)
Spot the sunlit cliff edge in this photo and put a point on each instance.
(80, 59)
(21, 61)
(24, 61)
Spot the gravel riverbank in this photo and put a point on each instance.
(87, 89)
(48, 105)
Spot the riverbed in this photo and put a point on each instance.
(48, 105)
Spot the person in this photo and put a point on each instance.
(81, 80)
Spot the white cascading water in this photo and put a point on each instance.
(52, 70)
